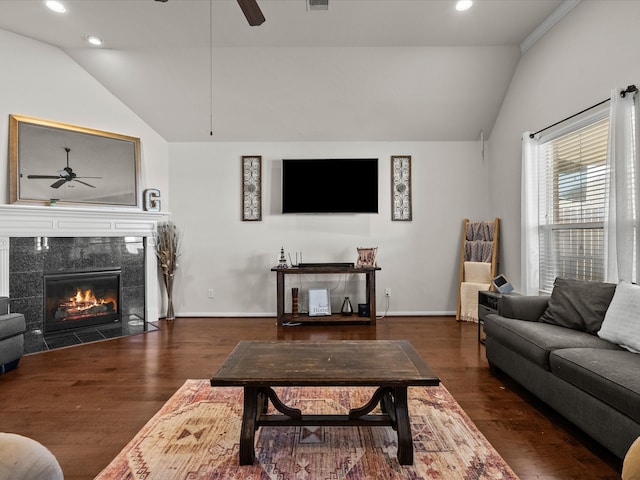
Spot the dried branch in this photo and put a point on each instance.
(167, 247)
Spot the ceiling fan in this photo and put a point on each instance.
(65, 175)
(250, 9)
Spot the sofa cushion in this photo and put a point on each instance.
(11, 324)
(609, 375)
(523, 307)
(578, 304)
(535, 341)
(622, 321)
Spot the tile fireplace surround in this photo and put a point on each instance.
(35, 239)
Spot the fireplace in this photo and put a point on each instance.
(74, 300)
(79, 239)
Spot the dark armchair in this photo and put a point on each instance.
(12, 328)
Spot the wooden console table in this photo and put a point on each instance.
(370, 287)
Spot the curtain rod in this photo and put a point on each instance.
(623, 93)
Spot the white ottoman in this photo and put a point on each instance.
(22, 458)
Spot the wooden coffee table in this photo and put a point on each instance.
(390, 365)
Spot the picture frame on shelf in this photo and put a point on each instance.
(319, 302)
(367, 256)
(251, 188)
(401, 208)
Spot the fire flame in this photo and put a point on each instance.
(87, 299)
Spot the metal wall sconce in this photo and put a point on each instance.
(401, 188)
(251, 188)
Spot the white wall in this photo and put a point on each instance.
(419, 259)
(41, 81)
(575, 65)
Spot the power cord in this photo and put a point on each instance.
(386, 310)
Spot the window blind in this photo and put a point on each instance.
(572, 186)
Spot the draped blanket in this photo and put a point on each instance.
(480, 231)
(477, 277)
(479, 242)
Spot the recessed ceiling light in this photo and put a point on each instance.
(463, 5)
(94, 40)
(56, 6)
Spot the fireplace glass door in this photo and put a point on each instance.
(81, 299)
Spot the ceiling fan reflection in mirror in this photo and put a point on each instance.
(65, 175)
(250, 9)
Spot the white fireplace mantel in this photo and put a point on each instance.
(39, 221)
(18, 220)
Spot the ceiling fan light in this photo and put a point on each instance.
(55, 6)
(463, 5)
(94, 40)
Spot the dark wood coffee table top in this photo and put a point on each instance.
(329, 363)
(390, 365)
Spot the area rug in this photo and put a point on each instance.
(195, 436)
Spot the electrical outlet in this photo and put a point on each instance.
(210, 293)
(387, 292)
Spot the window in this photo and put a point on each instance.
(572, 181)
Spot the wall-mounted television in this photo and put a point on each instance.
(340, 185)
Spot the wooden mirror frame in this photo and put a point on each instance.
(109, 162)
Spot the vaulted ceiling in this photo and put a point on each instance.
(370, 70)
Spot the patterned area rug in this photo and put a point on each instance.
(195, 436)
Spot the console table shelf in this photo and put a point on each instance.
(370, 279)
(333, 318)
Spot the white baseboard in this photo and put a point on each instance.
(271, 314)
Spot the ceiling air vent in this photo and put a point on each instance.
(318, 4)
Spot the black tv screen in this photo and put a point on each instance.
(348, 185)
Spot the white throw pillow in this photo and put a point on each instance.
(477, 272)
(621, 323)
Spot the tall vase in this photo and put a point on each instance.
(294, 302)
(168, 283)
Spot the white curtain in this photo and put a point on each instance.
(530, 248)
(623, 190)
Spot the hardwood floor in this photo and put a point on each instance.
(86, 402)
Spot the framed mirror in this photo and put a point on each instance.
(52, 162)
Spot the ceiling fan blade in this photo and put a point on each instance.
(59, 183)
(87, 177)
(43, 176)
(84, 183)
(252, 11)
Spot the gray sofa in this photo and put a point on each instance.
(12, 328)
(591, 382)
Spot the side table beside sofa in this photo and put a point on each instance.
(552, 346)
(12, 328)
